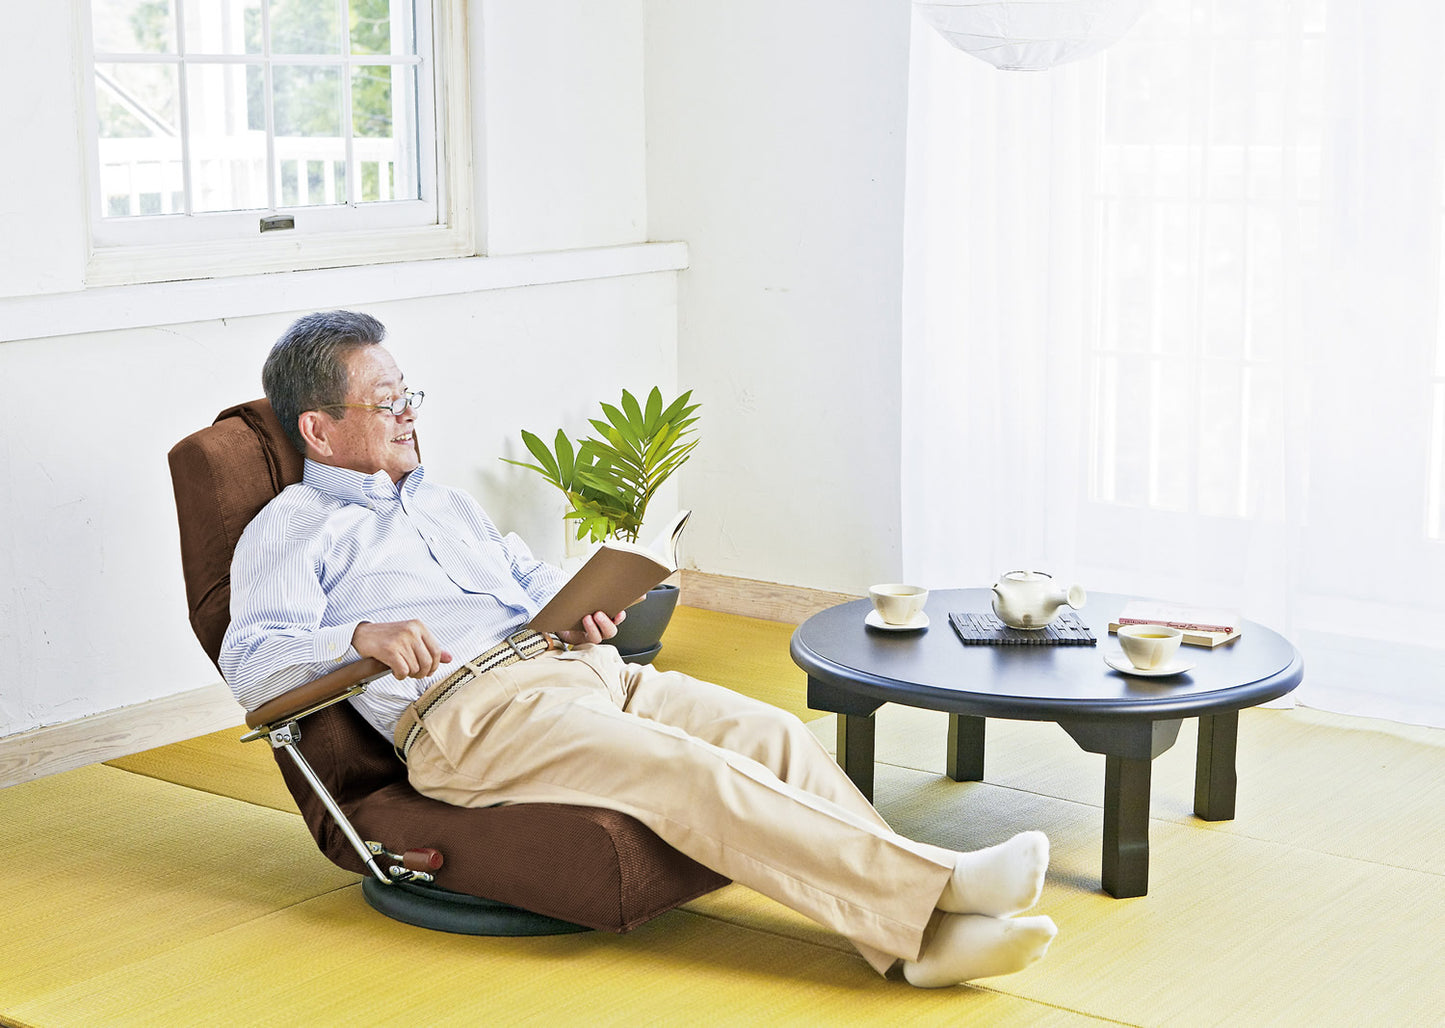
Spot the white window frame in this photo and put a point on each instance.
(166, 247)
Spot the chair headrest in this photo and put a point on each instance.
(223, 475)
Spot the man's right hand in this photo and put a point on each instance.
(407, 647)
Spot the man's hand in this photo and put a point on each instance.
(407, 647)
(595, 628)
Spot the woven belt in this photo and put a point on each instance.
(523, 645)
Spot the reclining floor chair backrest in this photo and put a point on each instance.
(585, 865)
(223, 475)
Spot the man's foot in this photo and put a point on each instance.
(1000, 881)
(969, 946)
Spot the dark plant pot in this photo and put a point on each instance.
(640, 636)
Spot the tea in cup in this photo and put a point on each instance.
(1149, 646)
(896, 603)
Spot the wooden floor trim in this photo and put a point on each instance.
(117, 733)
(751, 598)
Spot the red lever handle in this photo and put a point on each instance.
(423, 858)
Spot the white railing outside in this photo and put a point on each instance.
(228, 173)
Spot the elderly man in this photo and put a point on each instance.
(368, 558)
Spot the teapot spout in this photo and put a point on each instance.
(1076, 597)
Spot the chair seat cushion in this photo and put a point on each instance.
(587, 865)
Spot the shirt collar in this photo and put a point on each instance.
(355, 487)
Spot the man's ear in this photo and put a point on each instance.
(316, 431)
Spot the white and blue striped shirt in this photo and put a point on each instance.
(340, 548)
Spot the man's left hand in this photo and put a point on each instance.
(595, 628)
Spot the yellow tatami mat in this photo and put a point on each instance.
(1346, 785)
(109, 868)
(162, 905)
(218, 763)
(749, 655)
(177, 888)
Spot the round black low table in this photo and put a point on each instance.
(853, 669)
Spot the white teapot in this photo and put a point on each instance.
(1030, 599)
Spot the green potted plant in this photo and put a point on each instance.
(610, 478)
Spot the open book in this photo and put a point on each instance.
(615, 577)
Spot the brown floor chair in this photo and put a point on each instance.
(507, 870)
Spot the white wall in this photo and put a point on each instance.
(561, 85)
(771, 140)
(775, 133)
(92, 606)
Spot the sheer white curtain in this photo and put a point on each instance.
(1173, 327)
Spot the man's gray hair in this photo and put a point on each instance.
(306, 369)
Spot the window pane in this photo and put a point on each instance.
(137, 100)
(371, 110)
(307, 100)
(225, 27)
(139, 143)
(371, 27)
(382, 119)
(133, 26)
(305, 27)
(308, 131)
(228, 151)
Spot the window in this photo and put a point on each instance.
(247, 135)
(1214, 216)
(1177, 326)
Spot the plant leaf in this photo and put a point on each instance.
(619, 426)
(633, 412)
(543, 455)
(565, 461)
(675, 410)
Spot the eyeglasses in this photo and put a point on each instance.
(396, 408)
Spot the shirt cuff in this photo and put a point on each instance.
(333, 645)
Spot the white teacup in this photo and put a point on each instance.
(896, 603)
(1149, 646)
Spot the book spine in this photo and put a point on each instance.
(1185, 626)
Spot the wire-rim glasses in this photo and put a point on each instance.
(396, 408)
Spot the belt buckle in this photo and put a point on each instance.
(512, 639)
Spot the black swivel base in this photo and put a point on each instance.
(442, 910)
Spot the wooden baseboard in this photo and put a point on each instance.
(792, 604)
(117, 733)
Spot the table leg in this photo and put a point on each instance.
(1215, 780)
(965, 747)
(1128, 748)
(855, 750)
(1126, 826)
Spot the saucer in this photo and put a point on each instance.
(875, 620)
(1120, 663)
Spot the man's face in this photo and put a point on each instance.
(369, 440)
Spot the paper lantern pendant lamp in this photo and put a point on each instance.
(1030, 35)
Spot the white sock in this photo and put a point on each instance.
(999, 881)
(969, 946)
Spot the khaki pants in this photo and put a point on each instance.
(738, 785)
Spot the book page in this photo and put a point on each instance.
(1178, 615)
(616, 576)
